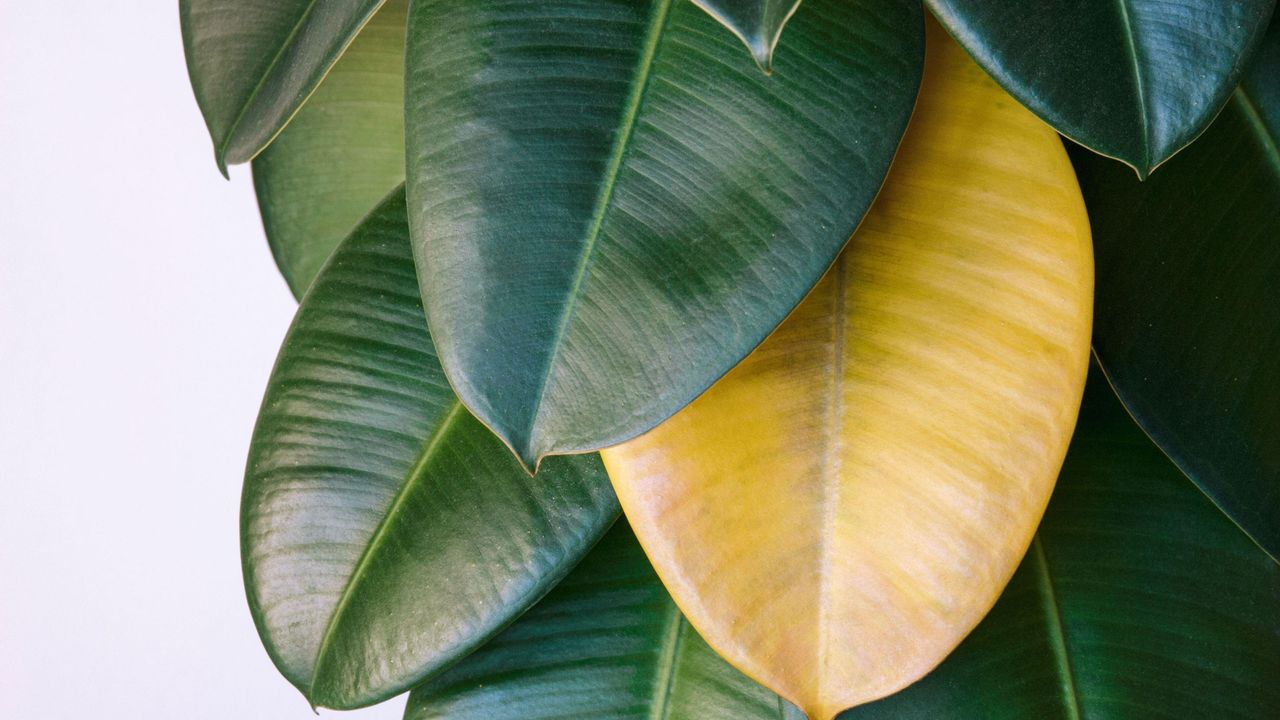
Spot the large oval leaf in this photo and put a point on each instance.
(340, 155)
(386, 532)
(252, 64)
(1138, 599)
(758, 23)
(1135, 80)
(1189, 301)
(611, 206)
(839, 511)
(607, 642)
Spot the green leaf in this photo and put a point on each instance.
(1138, 599)
(1188, 309)
(1136, 80)
(758, 23)
(385, 532)
(608, 642)
(611, 206)
(252, 64)
(340, 155)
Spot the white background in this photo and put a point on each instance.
(140, 313)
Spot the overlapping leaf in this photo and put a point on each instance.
(252, 64)
(1138, 599)
(839, 511)
(1189, 300)
(608, 642)
(1136, 80)
(340, 155)
(1119, 610)
(611, 206)
(758, 23)
(385, 532)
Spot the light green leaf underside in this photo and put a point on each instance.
(385, 532)
(611, 205)
(252, 64)
(340, 155)
(608, 642)
(1137, 599)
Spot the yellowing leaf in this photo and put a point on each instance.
(840, 510)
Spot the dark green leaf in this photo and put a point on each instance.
(1135, 80)
(253, 64)
(758, 23)
(608, 642)
(1138, 599)
(611, 205)
(385, 532)
(1188, 309)
(340, 155)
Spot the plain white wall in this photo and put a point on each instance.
(140, 313)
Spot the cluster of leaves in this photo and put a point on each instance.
(526, 231)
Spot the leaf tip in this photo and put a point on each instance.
(759, 31)
(530, 459)
(762, 53)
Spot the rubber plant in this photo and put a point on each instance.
(913, 409)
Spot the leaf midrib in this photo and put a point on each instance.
(262, 81)
(416, 473)
(669, 651)
(631, 111)
(1132, 42)
(1254, 117)
(225, 145)
(831, 471)
(1057, 632)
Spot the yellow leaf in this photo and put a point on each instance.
(840, 510)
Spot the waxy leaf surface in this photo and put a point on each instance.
(607, 642)
(611, 205)
(1136, 80)
(340, 155)
(758, 23)
(252, 64)
(1138, 599)
(1188, 312)
(385, 532)
(839, 511)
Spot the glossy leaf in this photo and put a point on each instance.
(611, 206)
(1189, 304)
(840, 510)
(252, 64)
(758, 23)
(340, 155)
(1138, 599)
(385, 532)
(1136, 80)
(607, 642)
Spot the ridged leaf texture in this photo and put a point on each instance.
(385, 532)
(608, 642)
(839, 511)
(1138, 599)
(611, 205)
